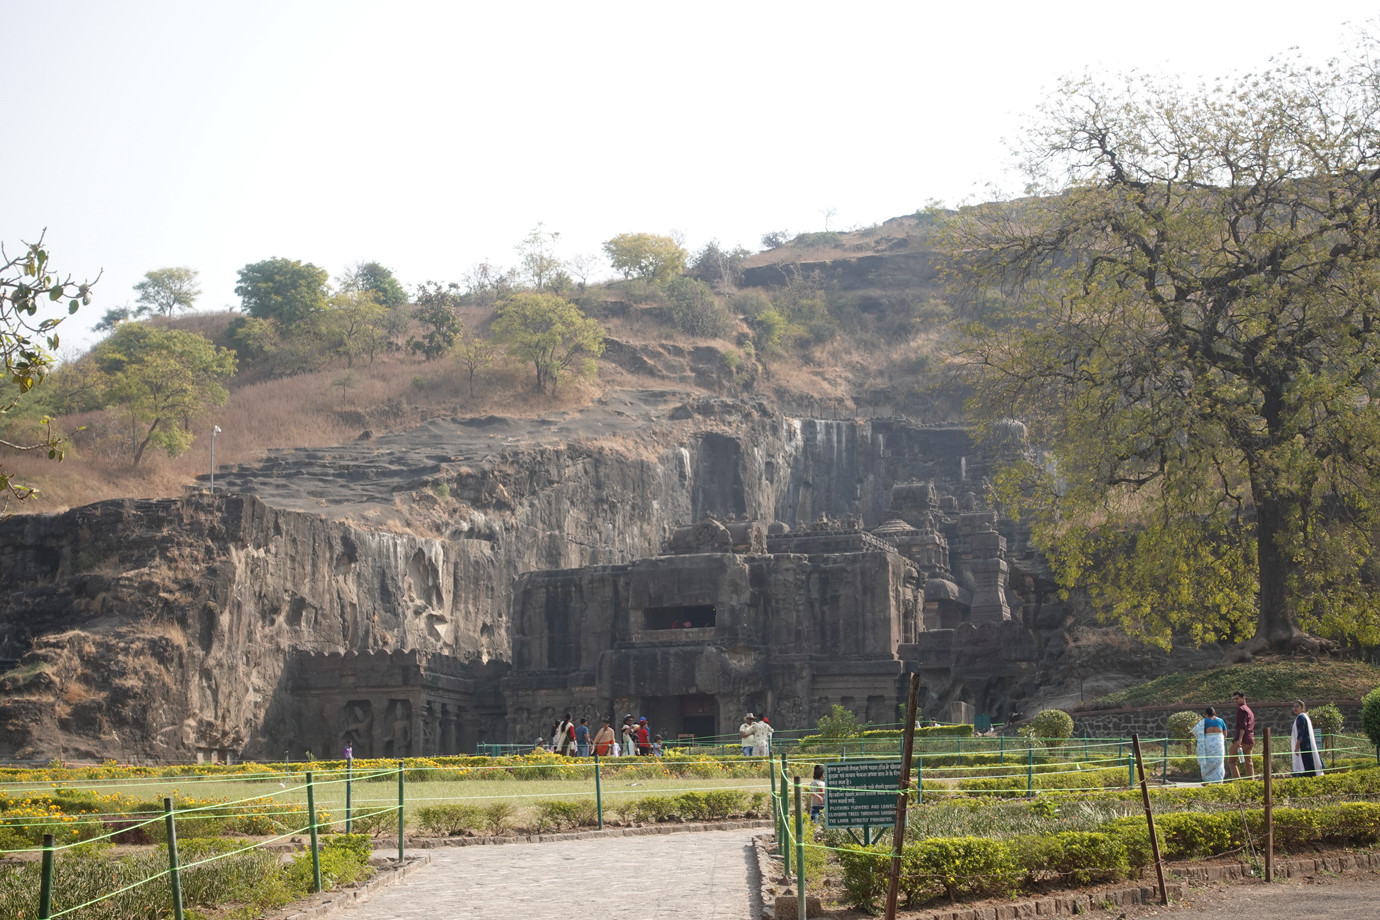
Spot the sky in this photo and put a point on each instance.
(430, 136)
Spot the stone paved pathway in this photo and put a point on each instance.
(704, 876)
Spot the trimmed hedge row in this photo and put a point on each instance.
(979, 866)
(453, 819)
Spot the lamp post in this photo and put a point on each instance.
(215, 430)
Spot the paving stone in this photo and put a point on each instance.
(704, 876)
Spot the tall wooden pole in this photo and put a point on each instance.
(1269, 813)
(1150, 819)
(898, 832)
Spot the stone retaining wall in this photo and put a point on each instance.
(1150, 721)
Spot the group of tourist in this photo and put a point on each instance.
(1214, 753)
(572, 739)
(755, 736)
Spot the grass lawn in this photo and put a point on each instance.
(1320, 681)
(380, 793)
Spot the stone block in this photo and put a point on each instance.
(788, 906)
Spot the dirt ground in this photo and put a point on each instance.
(1316, 897)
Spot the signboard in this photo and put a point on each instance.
(861, 793)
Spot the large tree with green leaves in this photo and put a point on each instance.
(165, 291)
(550, 332)
(162, 379)
(647, 256)
(376, 280)
(282, 289)
(1186, 316)
(27, 343)
(437, 312)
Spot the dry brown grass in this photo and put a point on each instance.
(320, 409)
(399, 391)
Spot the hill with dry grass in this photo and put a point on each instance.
(863, 323)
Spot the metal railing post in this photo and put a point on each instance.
(174, 871)
(311, 829)
(349, 781)
(598, 792)
(799, 854)
(45, 886)
(1030, 773)
(402, 827)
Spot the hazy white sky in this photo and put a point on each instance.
(431, 135)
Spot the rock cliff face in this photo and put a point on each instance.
(168, 629)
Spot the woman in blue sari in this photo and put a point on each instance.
(1211, 735)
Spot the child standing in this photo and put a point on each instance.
(656, 746)
(817, 794)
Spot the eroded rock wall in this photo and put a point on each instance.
(157, 629)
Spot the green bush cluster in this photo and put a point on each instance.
(979, 866)
(707, 805)
(214, 877)
(1180, 727)
(1370, 716)
(1052, 726)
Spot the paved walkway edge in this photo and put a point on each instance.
(337, 899)
(429, 843)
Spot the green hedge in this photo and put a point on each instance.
(979, 866)
(876, 736)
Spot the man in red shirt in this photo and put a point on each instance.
(1243, 742)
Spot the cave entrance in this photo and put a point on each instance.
(684, 717)
(681, 616)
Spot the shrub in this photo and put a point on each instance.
(450, 819)
(710, 805)
(344, 858)
(694, 309)
(1194, 834)
(958, 866)
(1053, 726)
(554, 814)
(656, 808)
(1180, 728)
(749, 303)
(1370, 716)
(1327, 719)
(496, 817)
(1090, 856)
(864, 871)
(768, 329)
(839, 723)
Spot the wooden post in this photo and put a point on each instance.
(1150, 819)
(1269, 813)
(898, 832)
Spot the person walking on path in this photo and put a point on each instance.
(747, 734)
(1306, 759)
(1243, 741)
(817, 793)
(603, 739)
(1211, 735)
(629, 737)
